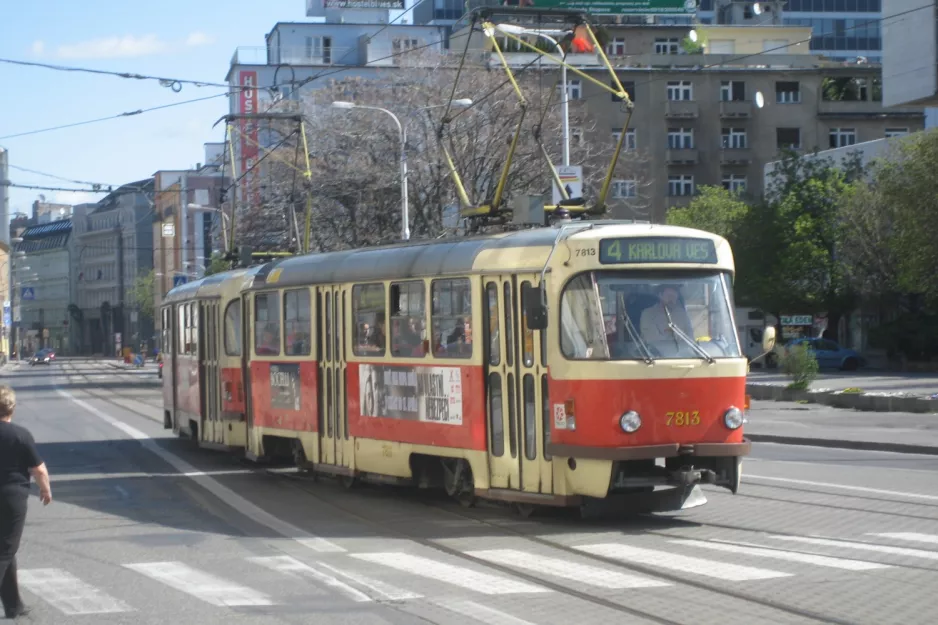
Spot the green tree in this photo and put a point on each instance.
(143, 291)
(217, 264)
(714, 210)
(904, 182)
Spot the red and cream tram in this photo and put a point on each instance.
(548, 366)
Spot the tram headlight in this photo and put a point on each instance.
(630, 422)
(734, 418)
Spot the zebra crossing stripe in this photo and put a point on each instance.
(68, 594)
(846, 544)
(680, 562)
(208, 588)
(286, 564)
(563, 568)
(461, 576)
(931, 539)
(778, 554)
(480, 613)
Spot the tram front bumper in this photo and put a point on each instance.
(648, 452)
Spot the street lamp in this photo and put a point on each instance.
(402, 132)
(513, 29)
(224, 218)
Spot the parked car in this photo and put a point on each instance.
(43, 357)
(830, 354)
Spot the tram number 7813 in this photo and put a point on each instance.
(682, 419)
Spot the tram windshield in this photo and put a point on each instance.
(629, 315)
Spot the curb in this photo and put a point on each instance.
(838, 399)
(901, 448)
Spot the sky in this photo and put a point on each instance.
(182, 39)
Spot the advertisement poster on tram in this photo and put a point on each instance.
(285, 386)
(430, 394)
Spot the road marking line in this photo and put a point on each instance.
(558, 567)
(827, 542)
(457, 575)
(387, 591)
(678, 562)
(204, 586)
(478, 612)
(225, 494)
(69, 594)
(287, 564)
(861, 489)
(793, 556)
(919, 538)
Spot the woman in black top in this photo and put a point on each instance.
(18, 459)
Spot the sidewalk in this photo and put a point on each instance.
(794, 423)
(867, 391)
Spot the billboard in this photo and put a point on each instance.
(364, 4)
(247, 136)
(600, 7)
(427, 394)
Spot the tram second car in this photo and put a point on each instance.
(549, 366)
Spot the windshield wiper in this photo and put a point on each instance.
(697, 348)
(633, 332)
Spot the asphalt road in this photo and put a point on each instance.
(146, 529)
(919, 384)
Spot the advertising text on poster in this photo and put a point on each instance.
(430, 394)
(285, 386)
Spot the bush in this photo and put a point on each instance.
(800, 365)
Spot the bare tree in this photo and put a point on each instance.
(355, 188)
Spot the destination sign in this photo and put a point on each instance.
(657, 250)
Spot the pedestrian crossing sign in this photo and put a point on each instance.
(28, 293)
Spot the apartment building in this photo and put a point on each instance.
(44, 294)
(696, 120)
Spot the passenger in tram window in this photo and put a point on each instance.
(268, 345)
(655, 319)
(378, 335)
(364, 336)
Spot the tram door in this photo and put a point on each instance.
(333, 410)
(516, 381)
(247, 346)
(209, 375)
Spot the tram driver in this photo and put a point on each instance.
(656, 320)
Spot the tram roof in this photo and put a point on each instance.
(209, 286)
(435, 258)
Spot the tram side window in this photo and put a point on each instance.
(296, 322)
(408, 319)
(266, 324)
(193, 329)
(369, 315)
(182, 330)
(452, 318)
(233, 328)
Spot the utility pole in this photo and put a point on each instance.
(120, 282)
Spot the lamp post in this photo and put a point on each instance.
(565, 98)
(402, 132)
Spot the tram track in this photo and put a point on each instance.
(304, 483)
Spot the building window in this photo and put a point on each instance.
(680, 138)
(734, 183)
(574, 89)
(787, 92)
(842, 137)
(732, 91)
(616, 47)
(408, 319)
(680, 90)
(788, 138)
(622, 189)
(368, 314)
(681, 185)
(297, 322)
(734, 139)
(628, 86)
(666, 46)
(631, 140)
(233, 328)
(896, 132)
(451, 321)
(266, 324)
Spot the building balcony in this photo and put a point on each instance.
(735, 156)
(850, 109)
(526, 57)
(683, 109)
(736, 109)
(293, 55)
(685, 156)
